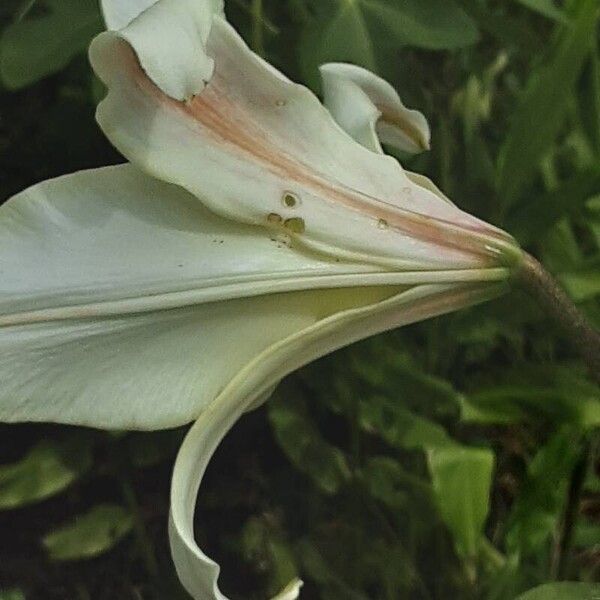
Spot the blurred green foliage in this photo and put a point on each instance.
(457, 458)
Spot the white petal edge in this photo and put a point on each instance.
(198, 573)
(119, 13)
(370, 110)
(173, 32)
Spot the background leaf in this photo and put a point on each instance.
(305, 447)
(358, 31)
(89, 535)
(535, 514)
(563, 591)
(11, 595)
(46, 40)
(548, 8)
(462, 479)
(46, 470)
(543, 105)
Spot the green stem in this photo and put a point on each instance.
(560, 558)
(553, 299)
(143, 539)
(267, 23)
(371, 505)
(257, 27)
(493, 558)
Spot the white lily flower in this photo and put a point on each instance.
(250, 235)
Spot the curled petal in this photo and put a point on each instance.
(259, 149)
(199, 573)
(370, 110)
(174, 32)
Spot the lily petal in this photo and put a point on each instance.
(172, 32)
(370, 110)
(118, 14)
(121, 296)
(250, 144)
(199, 573)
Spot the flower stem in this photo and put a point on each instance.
(257, 27)
(554, 300)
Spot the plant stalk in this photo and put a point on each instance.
(562, 549)
(554, 300)
(257, 27)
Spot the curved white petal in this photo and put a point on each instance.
(197, 572)
(119, 13)
(352, 109)
(252, 144)
(123, 300)
(174, 32)
(125, 303)
(369, 109)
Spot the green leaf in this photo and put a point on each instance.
(304, 445)
(587, 535)
(563, 591)
(339, 33)
(316, 566)
(390, 483)
(556, 393)
(264, 545)
(150, 449)
(400, 427)
(545, 7)
(12, 595)
(462, 479)
(48, 469)
(538, 507)
(397, 376)
(582, 285)
(435, 25)
(540, 114)
(589, 99)
(532, 219)
(505, 28)
(354, 30)
(40, 45)
(89, 535)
